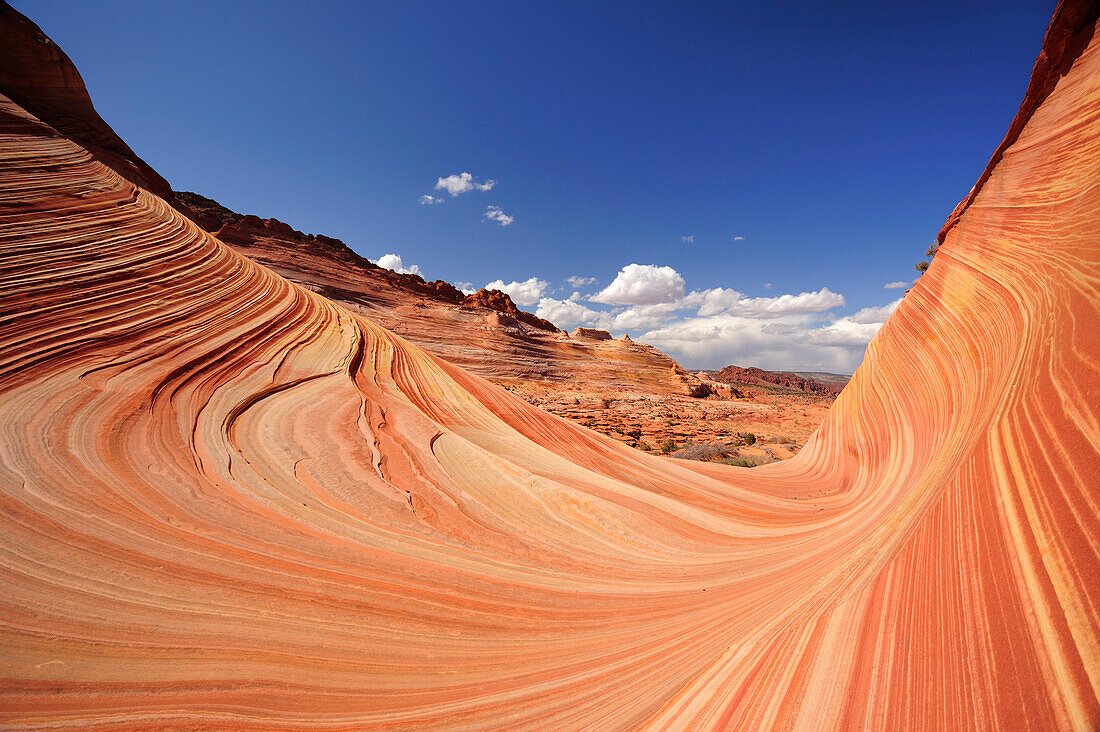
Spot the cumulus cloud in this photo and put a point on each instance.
(493, 213)
(714, 301)
(523, 293)
(466, 288)
(462, 183)
(578, 281)
(876, 315)
(798, 341)
(900, 284)
(727, 339)
(642, 284)
(732, 302)
(567, 314)
(687, 239)
(638, 317)
(427, 200)
(714, 327)
(393, 261)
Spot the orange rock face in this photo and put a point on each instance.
(631, 392)
(228, 502)
(484, 332)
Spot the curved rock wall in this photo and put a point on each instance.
(227, 502)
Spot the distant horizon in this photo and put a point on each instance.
(732, 184)
(690, 369)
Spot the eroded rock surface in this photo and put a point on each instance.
(231, 502)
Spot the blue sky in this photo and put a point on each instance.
(832, 138)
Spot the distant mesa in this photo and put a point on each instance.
(753, 375)
(591, 334)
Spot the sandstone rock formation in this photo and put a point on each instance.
(36, 74)
(229, 502)
(632, 392)
(484, 332)
(753, 375)
(591, 334)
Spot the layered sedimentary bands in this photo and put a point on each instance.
(629, 391)
(226, 501)
(484, 332)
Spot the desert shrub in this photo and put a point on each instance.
(739, 462)
(704, 452)
(667, 446)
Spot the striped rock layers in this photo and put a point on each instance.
(228, 502)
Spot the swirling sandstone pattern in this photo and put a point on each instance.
(227, 502)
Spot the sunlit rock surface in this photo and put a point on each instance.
(226, 501)
(483, 332)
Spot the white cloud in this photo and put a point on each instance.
(875, 315)
(900, 284)
(714, 327)
(427, 200)
(462, 183)
(714, 301)
(739, 238)
(732, 302)
(493, 213)
(687, 239)
(393, 261)
(642, 284)
(793, 341)
(638, 317)
(466, 288)
(524, 293)
(567, 314)
(578, 281)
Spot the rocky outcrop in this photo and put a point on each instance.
(591, 334)
(1070, 32)
(437, 316)
(500, 302)
(231, 502)
(753, 375)
(278, 240)
(700, 391)
(36, 74)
